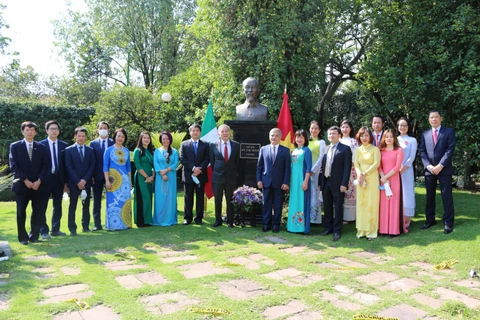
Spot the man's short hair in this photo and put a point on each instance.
(193, 126)
(103, 122)
(49, 123)
(28, 124)
(378, 116)
(433, 111)
(80, 129)
(223, 126)
(336, 129)
(276, 130)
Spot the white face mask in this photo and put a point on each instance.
(103, 133)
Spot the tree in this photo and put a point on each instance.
(146, 34)
(4, 41)
(20, 83)
(427, 56)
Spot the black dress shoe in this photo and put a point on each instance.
(337, 236)
(34, 240)
(86, 230)
(265, 229)
(72, 234)
(97, 228)
(276, 230)
(447, 230)
(217, 224)
(326, 233)
(198, 221)
(24, 242)
(428, 225)
(230, 225)
(57, 233)
(186, 222)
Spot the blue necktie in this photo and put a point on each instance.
(81, 153)
(103, 146)
(195, 147)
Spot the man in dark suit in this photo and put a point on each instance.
(99, 146)
(273, 176)
(333, 182)
(436, 149)
(29, 163)
(80, 163)
(194, 156)
(377, 126)
(224, 160)
(55, 180)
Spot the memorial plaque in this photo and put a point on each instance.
(249, 150)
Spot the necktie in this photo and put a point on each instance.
(377, 143)
(81, 152)
(328, 165)
(435, 136)
(274, 155)
(195, 147)
(30, 151)
(103, 146)
(55, 162)
(225, 153)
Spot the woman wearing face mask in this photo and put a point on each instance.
(143, 180)
(165, 162)
(117, 170)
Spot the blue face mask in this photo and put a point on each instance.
(195, 179)
(381, 187)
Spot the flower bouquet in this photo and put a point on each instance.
(246, 201)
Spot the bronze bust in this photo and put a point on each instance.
(251, 110)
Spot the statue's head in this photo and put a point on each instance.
(250, 88)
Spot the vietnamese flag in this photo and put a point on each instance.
(284, 123)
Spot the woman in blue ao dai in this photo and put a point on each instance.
(299, 201)
(165, 162)
(116, 168)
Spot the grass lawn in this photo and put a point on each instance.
(25, 283)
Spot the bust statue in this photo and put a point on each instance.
(251, 110)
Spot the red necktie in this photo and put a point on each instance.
(225, 153)
(378, 140)
(434, 136)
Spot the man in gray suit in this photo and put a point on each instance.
(224, 160)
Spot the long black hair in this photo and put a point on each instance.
(169, 150)
(140, 144)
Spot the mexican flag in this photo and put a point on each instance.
(209, 134)
(284, 123)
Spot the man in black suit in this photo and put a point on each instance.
(55, 180)
(273, 177)
(80, 162)
(333, 182)
(194, 156)
(29, 163)
(436, 149)
(99, 146)
(224, 161)
(377, 126)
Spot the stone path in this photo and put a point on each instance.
(372, 281)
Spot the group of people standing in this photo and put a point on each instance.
(367, 177)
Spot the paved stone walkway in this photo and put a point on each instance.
(362, 293)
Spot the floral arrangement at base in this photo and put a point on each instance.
(246, 198)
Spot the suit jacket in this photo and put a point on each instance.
(22, 168)
(78, 169)
(61, 146)
(273, 174)
(96, 145)
(341, 167)
(225, 173)
(190, 160)
(441, 153)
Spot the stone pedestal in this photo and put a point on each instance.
(251, 135)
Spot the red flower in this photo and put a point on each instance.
(300, 219)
